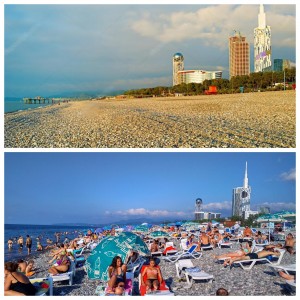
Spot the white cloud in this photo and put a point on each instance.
(288, 176)
(146, 212)
(214, 24)
(217, 206)
(277, 206)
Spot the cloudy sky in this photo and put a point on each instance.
(51, 49)
(98, 188)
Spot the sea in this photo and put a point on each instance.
(17, 104)
(13, 231)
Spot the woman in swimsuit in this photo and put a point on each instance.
(117, 273)
(61, 266)
(240, 253)
(154, 278)
(16, 283)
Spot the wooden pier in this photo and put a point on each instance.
(43, 100)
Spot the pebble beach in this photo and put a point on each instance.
(259, 281)
(253, 120)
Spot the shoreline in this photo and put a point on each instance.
(254, 120)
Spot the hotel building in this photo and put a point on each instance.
(262, 44)
(239, 55)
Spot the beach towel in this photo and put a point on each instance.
(169, 249)
(192, 270)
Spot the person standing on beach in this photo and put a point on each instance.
(28, 243)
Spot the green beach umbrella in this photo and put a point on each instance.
(101, 257)
(141, 228)
(159, 234)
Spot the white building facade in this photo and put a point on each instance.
(262, 44)
(197, 76)
(241, 198)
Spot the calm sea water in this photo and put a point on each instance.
(18, 104)
(42, 231)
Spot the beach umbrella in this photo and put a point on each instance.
(101, 257)
(178, 223)
(141, 228)
(159, 234)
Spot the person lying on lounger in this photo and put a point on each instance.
(244, 250)
(260, 254)
(154, 277)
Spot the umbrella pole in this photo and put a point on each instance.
(269, 231)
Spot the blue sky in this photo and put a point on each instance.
(105, 187)
(51, 49)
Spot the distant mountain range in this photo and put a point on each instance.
(137, 221)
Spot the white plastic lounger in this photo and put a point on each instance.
(224, 244)
(186, 267)
(254, 261)
(183, 254)
(43, 286)
(288, 269)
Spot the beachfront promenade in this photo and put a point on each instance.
(251, 120)
(258, 281)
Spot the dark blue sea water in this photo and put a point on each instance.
(13, 231)
(17, 104)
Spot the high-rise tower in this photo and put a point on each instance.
(262, 44)
(241, 198)
(239, 55)
(178, 65)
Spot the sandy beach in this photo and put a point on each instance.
(254, 120)
(257, 281)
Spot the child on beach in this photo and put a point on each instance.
(22, 265)
(29, 269)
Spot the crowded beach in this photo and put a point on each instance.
(182, 259)
(251, 120)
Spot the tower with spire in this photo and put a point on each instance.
(241, 198)
(262, 44)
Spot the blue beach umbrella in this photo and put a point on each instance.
(101, 257)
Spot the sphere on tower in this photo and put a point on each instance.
(177, 66)
(198, 204)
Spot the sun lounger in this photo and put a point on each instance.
(252, 262)
(186, 267)
(163, 288)
(136, 266)
(43, 286)
(288, 269)
(224, 244)
(172, 250)
(191, 252)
